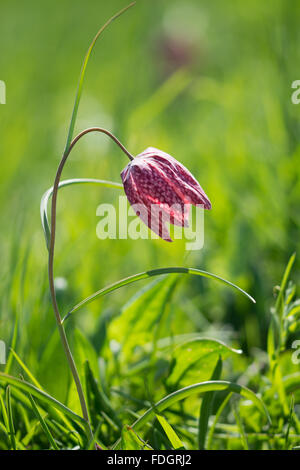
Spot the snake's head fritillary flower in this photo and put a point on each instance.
(161, 190)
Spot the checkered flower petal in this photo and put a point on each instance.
(162, 189)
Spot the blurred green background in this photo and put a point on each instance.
(207, 82)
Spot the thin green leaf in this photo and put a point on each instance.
(96, 395)
(151, 273)
(171, 434)
(4, 414)
(62, 184)
(241, 428)
(10, 419)
(4, 430)
(210, 386)
(290, 422)
(131, 441)
(290, 293)
(216, 419)
(13, 344)
(273, 340)
(95, 441)
(82, 72)
(31, 432)
(25, 368)
(55, 412)
(284, 283)
(43, 396)
(43, 423)
(5, 425)
(206, 406)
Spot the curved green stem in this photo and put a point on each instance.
(69, 145)
(51, 261)
(152, 273)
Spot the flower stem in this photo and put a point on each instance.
(69, 145)
(58, 318)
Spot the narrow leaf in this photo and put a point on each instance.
(210, 386)
(83, 69)
(56, 413)
(4, 414)
(206, 406)
(171, 434)
(10, 419)
(151, 273)
(13, 343)
(241, 428)
(25, 368)
(29, 388)
(284, 282)
(131, 441)
(43, 423)
(216, 419)
(62, 184)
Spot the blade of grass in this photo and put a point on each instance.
(101, 400)
(151, 273)
(216, 419)
(43, 396)
(206, 406)
(4, 415)
(10, 419)
(57, 413)
(30, 434)
(275, 338)
(5, 425)
(95, 440)
(241, 428)
(65, 433)
(24, 415)
(171, 434)
(13, 344)
(278, 305)
(130, 440)
(43, 423)
(202, 387)
(290, 422)
(82, 73)
(25, 368)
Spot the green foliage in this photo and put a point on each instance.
(149, 364)
(206, 406)
(196, 358)
(172, 436)
(43, 424)
(131, 441)
(115, 400)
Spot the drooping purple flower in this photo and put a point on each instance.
(161, 190)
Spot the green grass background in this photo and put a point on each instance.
(222, 107)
